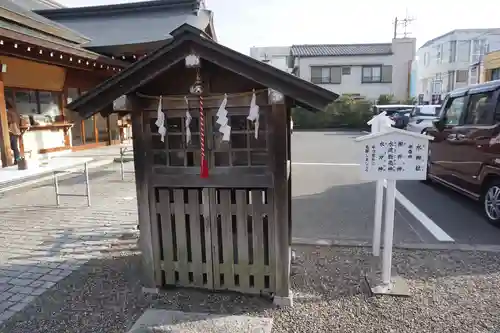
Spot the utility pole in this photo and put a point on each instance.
(395, 27)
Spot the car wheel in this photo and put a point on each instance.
(490, 200)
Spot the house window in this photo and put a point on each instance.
(376, 74)
(439, 53)
(453, 51)
(325, 75)
(495, 74)
(426, 59)
(41, 106)
(346, 70)
(462, 76)
(372, 74)
(476, 50)
(463, 51)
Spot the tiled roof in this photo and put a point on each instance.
(14, 12)
(111, 25)
(322, 50)
(38, 4)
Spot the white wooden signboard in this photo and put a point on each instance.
(394, 155)
(390, 155)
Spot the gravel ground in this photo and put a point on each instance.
(453, 291)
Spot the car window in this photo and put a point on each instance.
(454, 110)
(480, 110)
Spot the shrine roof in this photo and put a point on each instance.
(12, 12)
(187, 39)
(131, 23)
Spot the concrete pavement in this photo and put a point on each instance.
(42, 243)
(331, 202)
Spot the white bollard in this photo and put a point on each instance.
(388, 232)
(377, 226)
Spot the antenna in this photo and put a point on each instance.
(403, 24)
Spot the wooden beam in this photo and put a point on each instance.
(279, 127)
(143, 197)
(5, 150)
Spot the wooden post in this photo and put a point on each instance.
(280, 144)
(143, 199)
(108, 128)
(62, 106)
(5, 150)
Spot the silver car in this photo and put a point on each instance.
(421, 117)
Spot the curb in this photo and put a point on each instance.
(402, 246)
(91, 165)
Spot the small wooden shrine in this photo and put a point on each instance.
(211, 143)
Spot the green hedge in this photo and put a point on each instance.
(345, 112)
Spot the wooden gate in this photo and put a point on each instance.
(220, 235)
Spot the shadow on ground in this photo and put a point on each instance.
(345, 212)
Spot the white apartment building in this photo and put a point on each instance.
(453, 60)
(276, 56)
(366, 70)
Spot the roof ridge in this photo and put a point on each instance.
(51, 27)
(330, 50)
(350, 44)
(69, 12)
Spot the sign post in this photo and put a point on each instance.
(390, 155)
(379, 123)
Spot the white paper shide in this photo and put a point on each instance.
(253, 114)
(160, 121)
(188, 122)
(222, 120)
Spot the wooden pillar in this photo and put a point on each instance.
(279, 118)
(5, 150)
(108, 128)
(64, 117)
(142, 170)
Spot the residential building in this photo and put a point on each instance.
(51, 56)
(365, 70)
(276, 56)
(491, 66)
(452, 60)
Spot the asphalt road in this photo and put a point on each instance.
(331, 202)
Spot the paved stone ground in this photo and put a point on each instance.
(42, 243)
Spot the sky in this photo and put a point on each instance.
(241, 24)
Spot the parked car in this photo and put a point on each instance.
(390, 109)
(401, 118)
(421, 117)
(465, 152)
